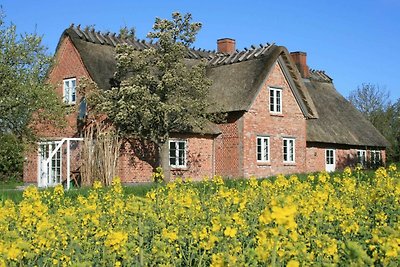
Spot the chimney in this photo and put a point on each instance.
(300, 59)
(226, 45)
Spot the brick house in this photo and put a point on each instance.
(282, 117)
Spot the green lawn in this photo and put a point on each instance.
(10, 190)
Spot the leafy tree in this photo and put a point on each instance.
(24, 96)
(159, 91)
(391, 130)
(25, 99)
(373, 101)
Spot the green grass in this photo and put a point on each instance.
(7, 185)
(14, 195)
(9, 191)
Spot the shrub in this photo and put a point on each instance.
(11, 157)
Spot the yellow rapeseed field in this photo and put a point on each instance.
(327, 220)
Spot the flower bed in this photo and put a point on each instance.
(325, 219)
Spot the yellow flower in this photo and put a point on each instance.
(13, 253)
(253, 182)
(293, 263)
(97, 185)
(170, 235)
(284, 216)
(203, 234)
(116, 240)
(229, 231)
(58, 191)
(265, 216)
(218, 180)
(217, 260)
(347, 172)
(392, 167)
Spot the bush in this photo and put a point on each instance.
(11, 158)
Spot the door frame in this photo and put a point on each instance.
(330, 167)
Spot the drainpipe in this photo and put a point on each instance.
(213, 159)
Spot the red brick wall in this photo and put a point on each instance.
(30, 167)
(200, 160)
(227, 147)
(259, 121)
(135, 167)
(345, 156)
(68, 64)
(315, 159)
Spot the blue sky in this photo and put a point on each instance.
(355, 42)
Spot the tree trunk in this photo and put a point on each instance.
(164, 160)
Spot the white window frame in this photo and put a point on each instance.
(330, 159)
(180, 158)
(362, 157)
(275, 103)
(54, 166)
(69, 91)
(263, 149)
(330, 156)
(374, 159)
(289, 150)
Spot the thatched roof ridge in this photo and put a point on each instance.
(339, 121)
(238, 78)
(219, 59)
(112, 39)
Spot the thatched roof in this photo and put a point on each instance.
(238, 78)
(97, 51)
(236, 81)
(339, 121)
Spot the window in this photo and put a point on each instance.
(362, 157)
(262, 149)
(177, 153)
(376, 158)
(330, 156)
(69, 91)
(289, 150)
(53, 167)
(275, 100)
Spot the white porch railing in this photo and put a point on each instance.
(45, 176)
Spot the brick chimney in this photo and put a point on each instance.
(226, 45)
(300, 59)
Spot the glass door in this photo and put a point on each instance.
(330, 160)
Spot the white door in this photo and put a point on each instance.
(330, 160)
(49, 168)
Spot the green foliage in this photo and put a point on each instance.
(24, 96)
(159, 92)
(373, 101)
(391, 130)
(11, 157)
